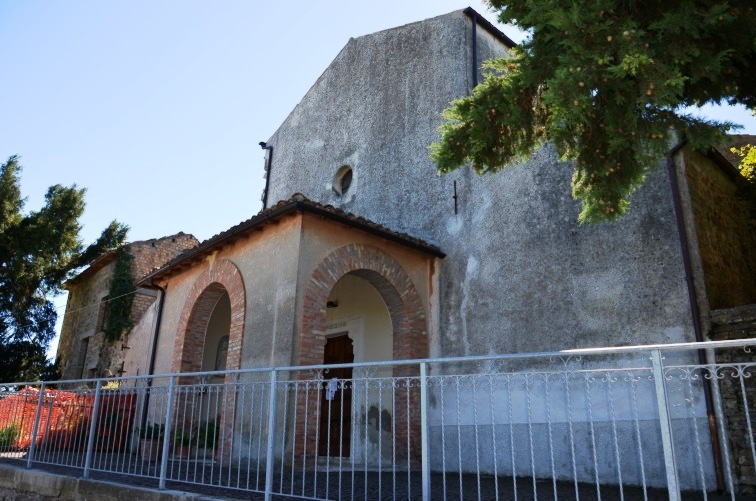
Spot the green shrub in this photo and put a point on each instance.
(183, 438)
(152, 431)
(8, 436)
(207, 434)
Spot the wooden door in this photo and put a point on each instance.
(336, 412)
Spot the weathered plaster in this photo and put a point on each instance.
(267, 263)
(518, 261)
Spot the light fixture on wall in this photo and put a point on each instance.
(332, 304)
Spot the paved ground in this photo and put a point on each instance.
(235, 483)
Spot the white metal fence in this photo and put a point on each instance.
(614, 423)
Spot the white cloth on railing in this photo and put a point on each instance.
(333, 386)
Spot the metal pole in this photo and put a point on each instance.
(167, 435)
(272, 411)
(665, 425)
(33, 443)
(424, 451)
(724, 439)
(92, 429)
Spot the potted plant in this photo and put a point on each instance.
(151, 441)
(207, 434)
(182, 442)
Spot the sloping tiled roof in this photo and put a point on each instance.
(297, 203)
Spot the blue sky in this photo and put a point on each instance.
(157, 107)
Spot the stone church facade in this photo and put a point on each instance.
(359, 235)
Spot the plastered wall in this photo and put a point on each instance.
(520, 273)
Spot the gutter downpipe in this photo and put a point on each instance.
(153, 354)
(695, 311)
(475, 51)
(268, 163)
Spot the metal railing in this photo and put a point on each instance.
(610, 423)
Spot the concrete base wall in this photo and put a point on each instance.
(553, 457)
(20, 484)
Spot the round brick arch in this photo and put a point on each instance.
(410, 338)
(405, 308)
(222, 277)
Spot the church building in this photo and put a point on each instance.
(362, 252)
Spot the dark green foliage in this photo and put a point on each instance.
(118, 309)
(604, 82)
(8, 436)
(152, 431)
(38, 252)
(24, 360)
(182, 438)
(207, 434)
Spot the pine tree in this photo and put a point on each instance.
(605, 82)
(38, 252)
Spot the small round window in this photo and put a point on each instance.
(342, 180)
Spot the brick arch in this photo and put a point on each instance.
(410, 339)
(222, 277)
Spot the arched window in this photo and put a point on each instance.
(342, 180)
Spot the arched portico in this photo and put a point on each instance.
(221, 279)
(409, 340)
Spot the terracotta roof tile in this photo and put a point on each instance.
(297, 203)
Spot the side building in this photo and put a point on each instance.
(83, 351)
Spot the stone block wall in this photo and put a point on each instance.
(151, 254)
(142, 301)
(738, 323)
(726, 243)
(79, 345)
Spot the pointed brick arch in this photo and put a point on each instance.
(221, 277)
(410, 336)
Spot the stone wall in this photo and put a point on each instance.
(738, 323)
(78, 348)
(151, 254)
(726, 243)
(142, 302)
